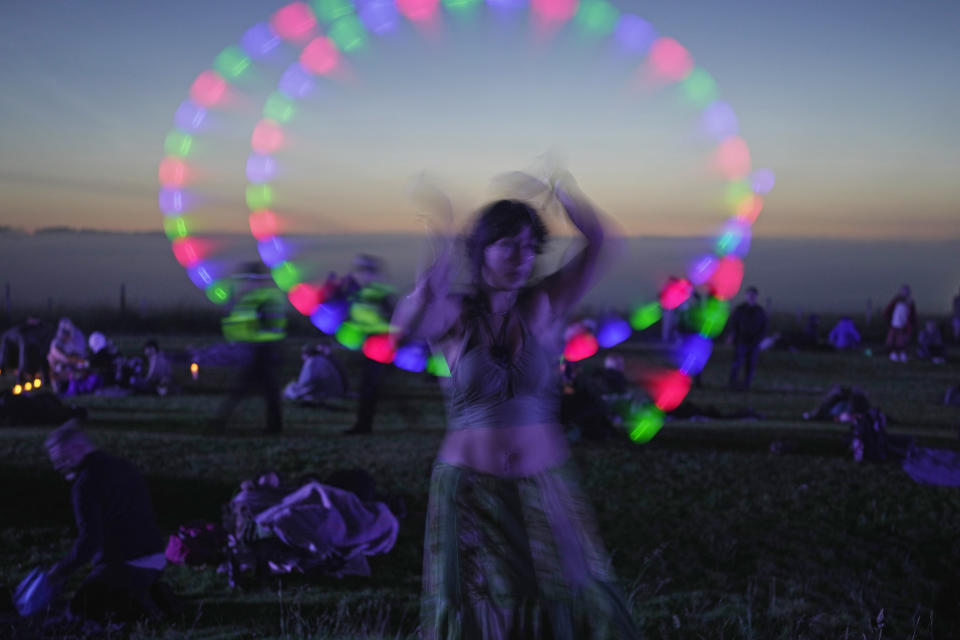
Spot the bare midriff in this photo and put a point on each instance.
(506, 451)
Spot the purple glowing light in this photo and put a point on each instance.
(296, 82)
(762, 181)
(259, 41)
(507, 5)
(719, 121)
(190, 116)
(378, 16)
(261, 168)
(634, 34)
(273, 251)
(701, 269)
(202, 275)
(173, 202)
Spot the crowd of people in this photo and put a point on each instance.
(511, 545)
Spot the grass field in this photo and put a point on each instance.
(712, 535)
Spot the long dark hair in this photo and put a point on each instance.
(501, 219)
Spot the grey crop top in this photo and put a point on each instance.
(493, 389)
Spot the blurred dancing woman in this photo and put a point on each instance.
(511, 547)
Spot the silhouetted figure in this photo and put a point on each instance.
(748, 322)
(955, 321)
(23, 348)
(844, 334)
(67, 356)
(901, 316)
(257, 324)
(116, 530)
(360, 289)
(321, 377)
(930, 343)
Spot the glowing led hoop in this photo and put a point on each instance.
(347, 26)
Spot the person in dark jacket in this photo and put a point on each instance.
(748, 322)
(116, 530)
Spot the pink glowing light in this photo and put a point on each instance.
(726, 278)
(580, 346)
(675, 292)
(732, 158)
(263, 224)
(749, 208)
(294, 22)
(418, 10)
(190, 251)
(305, 298)
(554, 10)
(668, 389)
(379, 348)
(267, 137)
(173, 172)
(669, 60)
(208, 89)
(320, 56)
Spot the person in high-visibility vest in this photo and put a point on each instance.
(371, 305)
(257, 322)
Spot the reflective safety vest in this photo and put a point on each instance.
(371, 308)
(258, 316)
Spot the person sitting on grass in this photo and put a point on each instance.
(844, 334)
(321, 377)
(116, 527)
(67, 356)
(930, 343)
(159, 376)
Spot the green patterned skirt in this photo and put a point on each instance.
(512, 558)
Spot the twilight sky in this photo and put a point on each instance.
(852, 104)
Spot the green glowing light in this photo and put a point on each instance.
(645, 316)
(219, 292)
(286, 275)
(329, 10)
(712, 317)
(735, 193)
(699, 88)
(175, 228)
(348, 33)
(437, 366)
(278, 108)
(645, 423)
(350, 335)
(461, 5)
(259, 196)
(178, 143)
(597, 17)
(231, 63)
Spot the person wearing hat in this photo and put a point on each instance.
(748, 322)
(362, 290)
(116, 530)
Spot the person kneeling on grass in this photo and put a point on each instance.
(117, 531)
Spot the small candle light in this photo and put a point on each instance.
(194, 370)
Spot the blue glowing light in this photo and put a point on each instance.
(330, 315)
(613, 330)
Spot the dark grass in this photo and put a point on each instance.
(712, 535)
